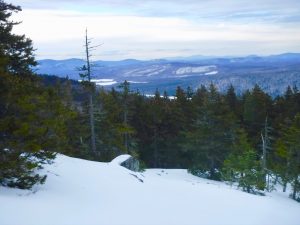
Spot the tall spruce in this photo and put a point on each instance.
(32, 117)
(288, 150)
(17, 49)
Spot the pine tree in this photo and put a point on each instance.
(126, 129)
(108, 119)
(32, 118)
(210, 138)
(233, 101)
(257, 104)
(288, 151)
(17, 49)
(242, 166)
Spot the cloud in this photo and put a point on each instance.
(65, 30)
(156, 29)
(209, 9)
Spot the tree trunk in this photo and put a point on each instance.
(155, 149)
(126, 133)
(92, 124)
(295, 188)
(264, 152)
(284, 186)
(91, 105)
(276, 180)
(265, 143)
(212, 168)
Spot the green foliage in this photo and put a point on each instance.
(256, 107)
(16, 48)
(30, 121)
(210, 139)
(288, 155)
(242, 166)
(18, 169)
(32, 117)
(205, 131)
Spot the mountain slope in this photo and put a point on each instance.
(272, 73)
(83, 192)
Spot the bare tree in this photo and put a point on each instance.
(266, 146)
(87, 69)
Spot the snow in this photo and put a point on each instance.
(81, 192)
(171, 97)
(137, 82)
(196, 69)
(102, 82)
(212, 73)
(147, 71)
(118, 160)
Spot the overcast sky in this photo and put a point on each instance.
(149, 29)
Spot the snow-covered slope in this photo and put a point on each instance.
(195, 70)
(80, 192)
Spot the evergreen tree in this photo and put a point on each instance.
(288, 151)
(210, 139)
(32, 118)
(242, 165)
(126, 129)
(233, 102)
(257, 104)
(17, 49)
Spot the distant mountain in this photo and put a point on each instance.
(273, 73)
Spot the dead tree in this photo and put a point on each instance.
(266, 146)
(87, 75)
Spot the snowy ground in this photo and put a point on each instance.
(103, 82)
(80, 192)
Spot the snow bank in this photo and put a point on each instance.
(81, 192)
(118, 160)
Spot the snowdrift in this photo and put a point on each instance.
(80, 192)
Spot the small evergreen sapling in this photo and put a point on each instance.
(242, 166)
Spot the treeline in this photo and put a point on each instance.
(251, 139)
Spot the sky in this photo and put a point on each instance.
(154, 29)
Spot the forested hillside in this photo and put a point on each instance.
(241, 138)
(273, 73)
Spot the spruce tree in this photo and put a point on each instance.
(242, 166)
(17, 49)
(288, 151)
(210, 138)
(32, 118)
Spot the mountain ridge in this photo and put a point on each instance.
(274, 73)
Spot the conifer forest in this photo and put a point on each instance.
(250, 139)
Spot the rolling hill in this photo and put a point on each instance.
(273, 73)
